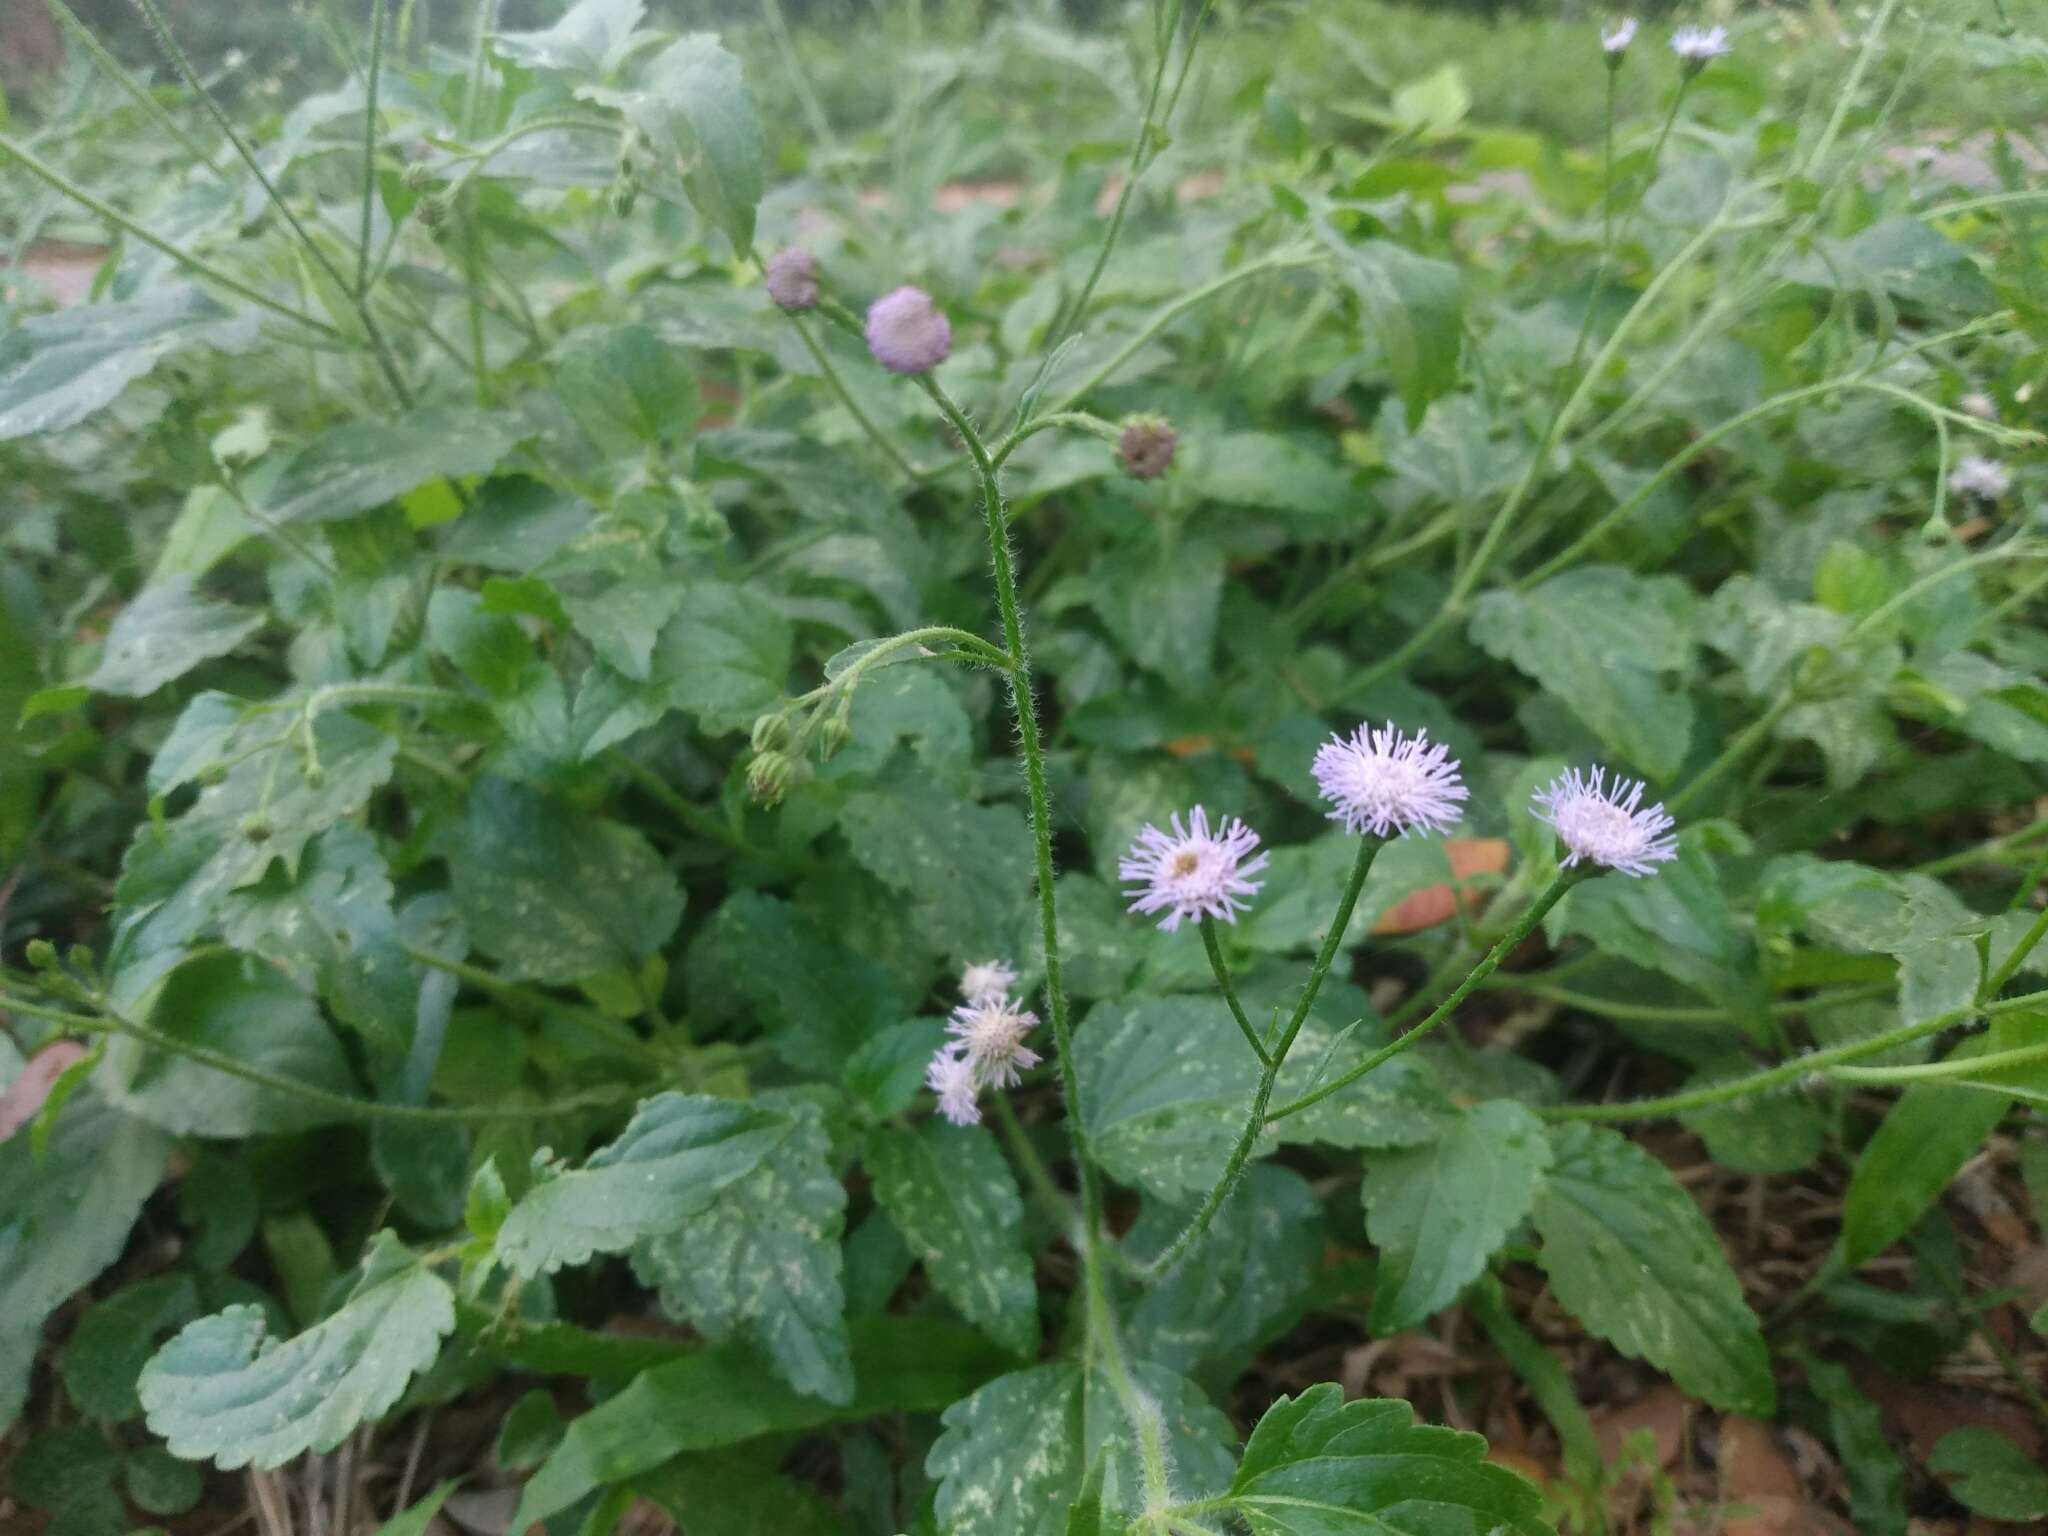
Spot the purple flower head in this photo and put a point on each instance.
(1146, 447)
(1697, 46)
(907, 333)
(991, 978)
(951, 1076)
(792, 279)
(1606, 824)
(1385, 783)
(991, 1033)
(1192, 872)
(1614, 40)
(1975, 475)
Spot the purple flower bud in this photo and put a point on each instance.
(1147, 446)
(793, 279)
(907, 333)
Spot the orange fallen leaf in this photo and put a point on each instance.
(1433, 904)
(23, 1099)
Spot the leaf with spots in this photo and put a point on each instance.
(953, 1197)
(167, 631)
(669, 1164)
(221, 1391)
(965, 868)
(763, 1258)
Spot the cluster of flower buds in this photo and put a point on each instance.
(785, 739)
(1380, 782)
(985, 1046)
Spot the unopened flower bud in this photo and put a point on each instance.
(771, 732)
(907, 333)
(834, 732)
(256, 829)
(42, 954)
(792, 279)
(1147, 446)
(433, 213)
(624, 193)
(768, 776)
(419, 177)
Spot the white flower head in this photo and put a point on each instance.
(1614, 40)
(992, 978)
(1979, 404)
(1605, 823)
(991, 1032)
(951, 1077)
(1974, 475)
(1192, 872)
(1697, 45)
(1383, 782)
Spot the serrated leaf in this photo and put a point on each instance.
(586, 41)
(674, 1156)
(364, 464)
(1437, 1212)
(555, 895)
(1922, 1144)
(949, 1191)
(695, 101)
(57, 369)
(763, 1258)
(966, 868)
(1413, 309)
(627, 389)
(63, 1219)
(164, 633)
(221, 1391)
(1629, 1254)
(115, 1338)
(1014, 1457)
(1319, 1466)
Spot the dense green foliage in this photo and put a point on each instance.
(462, 793)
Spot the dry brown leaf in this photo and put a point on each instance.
(1434, 904)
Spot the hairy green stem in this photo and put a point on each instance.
(370, 83)
(1517, 931)
(1953, 1066)
(1647, 1013)
(139, 93)
(1223, 981)
(838, 387)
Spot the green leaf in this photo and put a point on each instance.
(1877, 1478)
(723, 659)
(1244, 1279)
(696, 102)
(626, 388)
(1612, 646)
(244, 1010)
(732, 1393)
(1909, 261)
(159, 1482)
(1414, 309)
(1993, 1476)
(57, 369)
(588, 40)
(115, 1338)
(1434, 105)
(63, 1219)
(965, 868)
(1925, 1139)
(1630, 1256)
(1680, 923)
(669, 1164)
(164, 633)
(418, 1519)
(221, 1391)
(763, 1259)
(1263, 469)
(364, 464)
(557, 895)
(949, 1191)
(1319, 1466)
(1014, 1457)
(738, 1495)
(1162, 606)
(1438, 1212)
(425, 1165)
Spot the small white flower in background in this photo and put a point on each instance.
(951, 1077)
(1192, 872)
(1974, 475)
(991, 1031)
(1385, 783)
(1606, 824)
(1614, 40)
(1980, 405)
(1697, 45)
(992, 978)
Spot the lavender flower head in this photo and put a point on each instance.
(1193, 872)
(992, 978)
(1614, 40)
(907, 333)
(1146, 446)
(991, 1033)
(1697, 46)
(951, 1077)
(792, 279)
(1385, 783)
(1974, 475)
(1605, 823)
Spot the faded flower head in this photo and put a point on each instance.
(951, 1077)
(992, 978)
(1385, 783)
(907, 333)
(1192, 872)
(1696, 46)
(992, 1032)
(1605, 823)
(792, 279)
(1614, 40)
(1974, 475)
(1979, 404)
(1146, 447)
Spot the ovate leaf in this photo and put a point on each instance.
(668, 1165)
(363, 464)
(1922, 1144)
(696, 101)
(949, 1192)
(1630, 1255)
(1991, 1475)
(965, 867)
(1436, 1213)
(220, 1390)
(163, 634)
